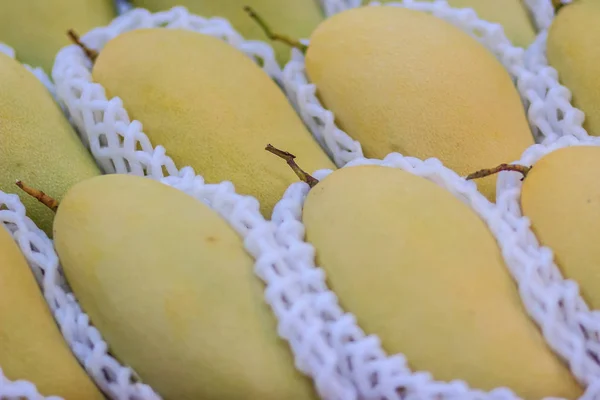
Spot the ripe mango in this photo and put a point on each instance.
(400, 80)
(170, 286)
(561, 197)
(32, 346)
(295, 18)
(420, 269)
(511, 14)
(39, 146)
(37, 29)
(572, 49)
(210, 105)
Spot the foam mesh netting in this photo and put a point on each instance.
(120, 146)
(343, 148)
(379, 376)
(560, 117)
(118, 143)
(83, 339)
(541, 11)
(573, 330)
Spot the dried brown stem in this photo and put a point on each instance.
(270, 34)
(502, 167)
(557, 4)
(289, 158)
(90, 53)
(40, 196)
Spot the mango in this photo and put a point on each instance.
(295, 18)
(170, 286)
(399, 80)
(32, 347)
(39, 146)
(37, 29)
(572, 49)
(561, 197)
(420, 269)
(210, 105)
(511, 14)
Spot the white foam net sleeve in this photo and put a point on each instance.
(380, 376)
(104, 124)
(342, 148)
(541, 11)
(555, 303)
(120, 145)
(553, 100)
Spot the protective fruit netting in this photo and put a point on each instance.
(120, 146)
(380, 376)
(84, 340)
(561, 117)
(343, 148)
(579, 333)
(104, 124)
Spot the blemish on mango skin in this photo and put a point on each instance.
(212, 239)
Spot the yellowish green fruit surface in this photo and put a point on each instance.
(573, 49)
(293, 18)
(210, 106)
(561, 196)
(37, 29)
(400, 80)
(32, 347)
(39, 146)
(168, 283)
(421, 269)
(511, 14)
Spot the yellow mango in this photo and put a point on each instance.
(211, 106)
(572, 48)
(170, 286)
(419, 268)
(39, 146)
(295, 18)
(561, 197)
(400, 80)
(511, 14)
(37, 29)
(32, 347)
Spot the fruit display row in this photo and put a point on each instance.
(201, 204)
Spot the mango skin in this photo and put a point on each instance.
(561, 197)
(37, 29)
(420, 269)
(32, 346)
(511, 14)
(572, 49)
(293, 18)
(400, 80)
(168, 283)
(39, 146)
(211, 107)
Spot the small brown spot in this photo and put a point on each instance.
(212, 239)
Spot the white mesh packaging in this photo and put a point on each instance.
(379, 376)
(572, 329)
(104, 124)
(83, 339)
(343, 148)
(560, 117)
(120, 146)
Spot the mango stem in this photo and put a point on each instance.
(270, 34)
(90, 53)
(557, 5)
(39, 195)
(289, 158)
(502, 167)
